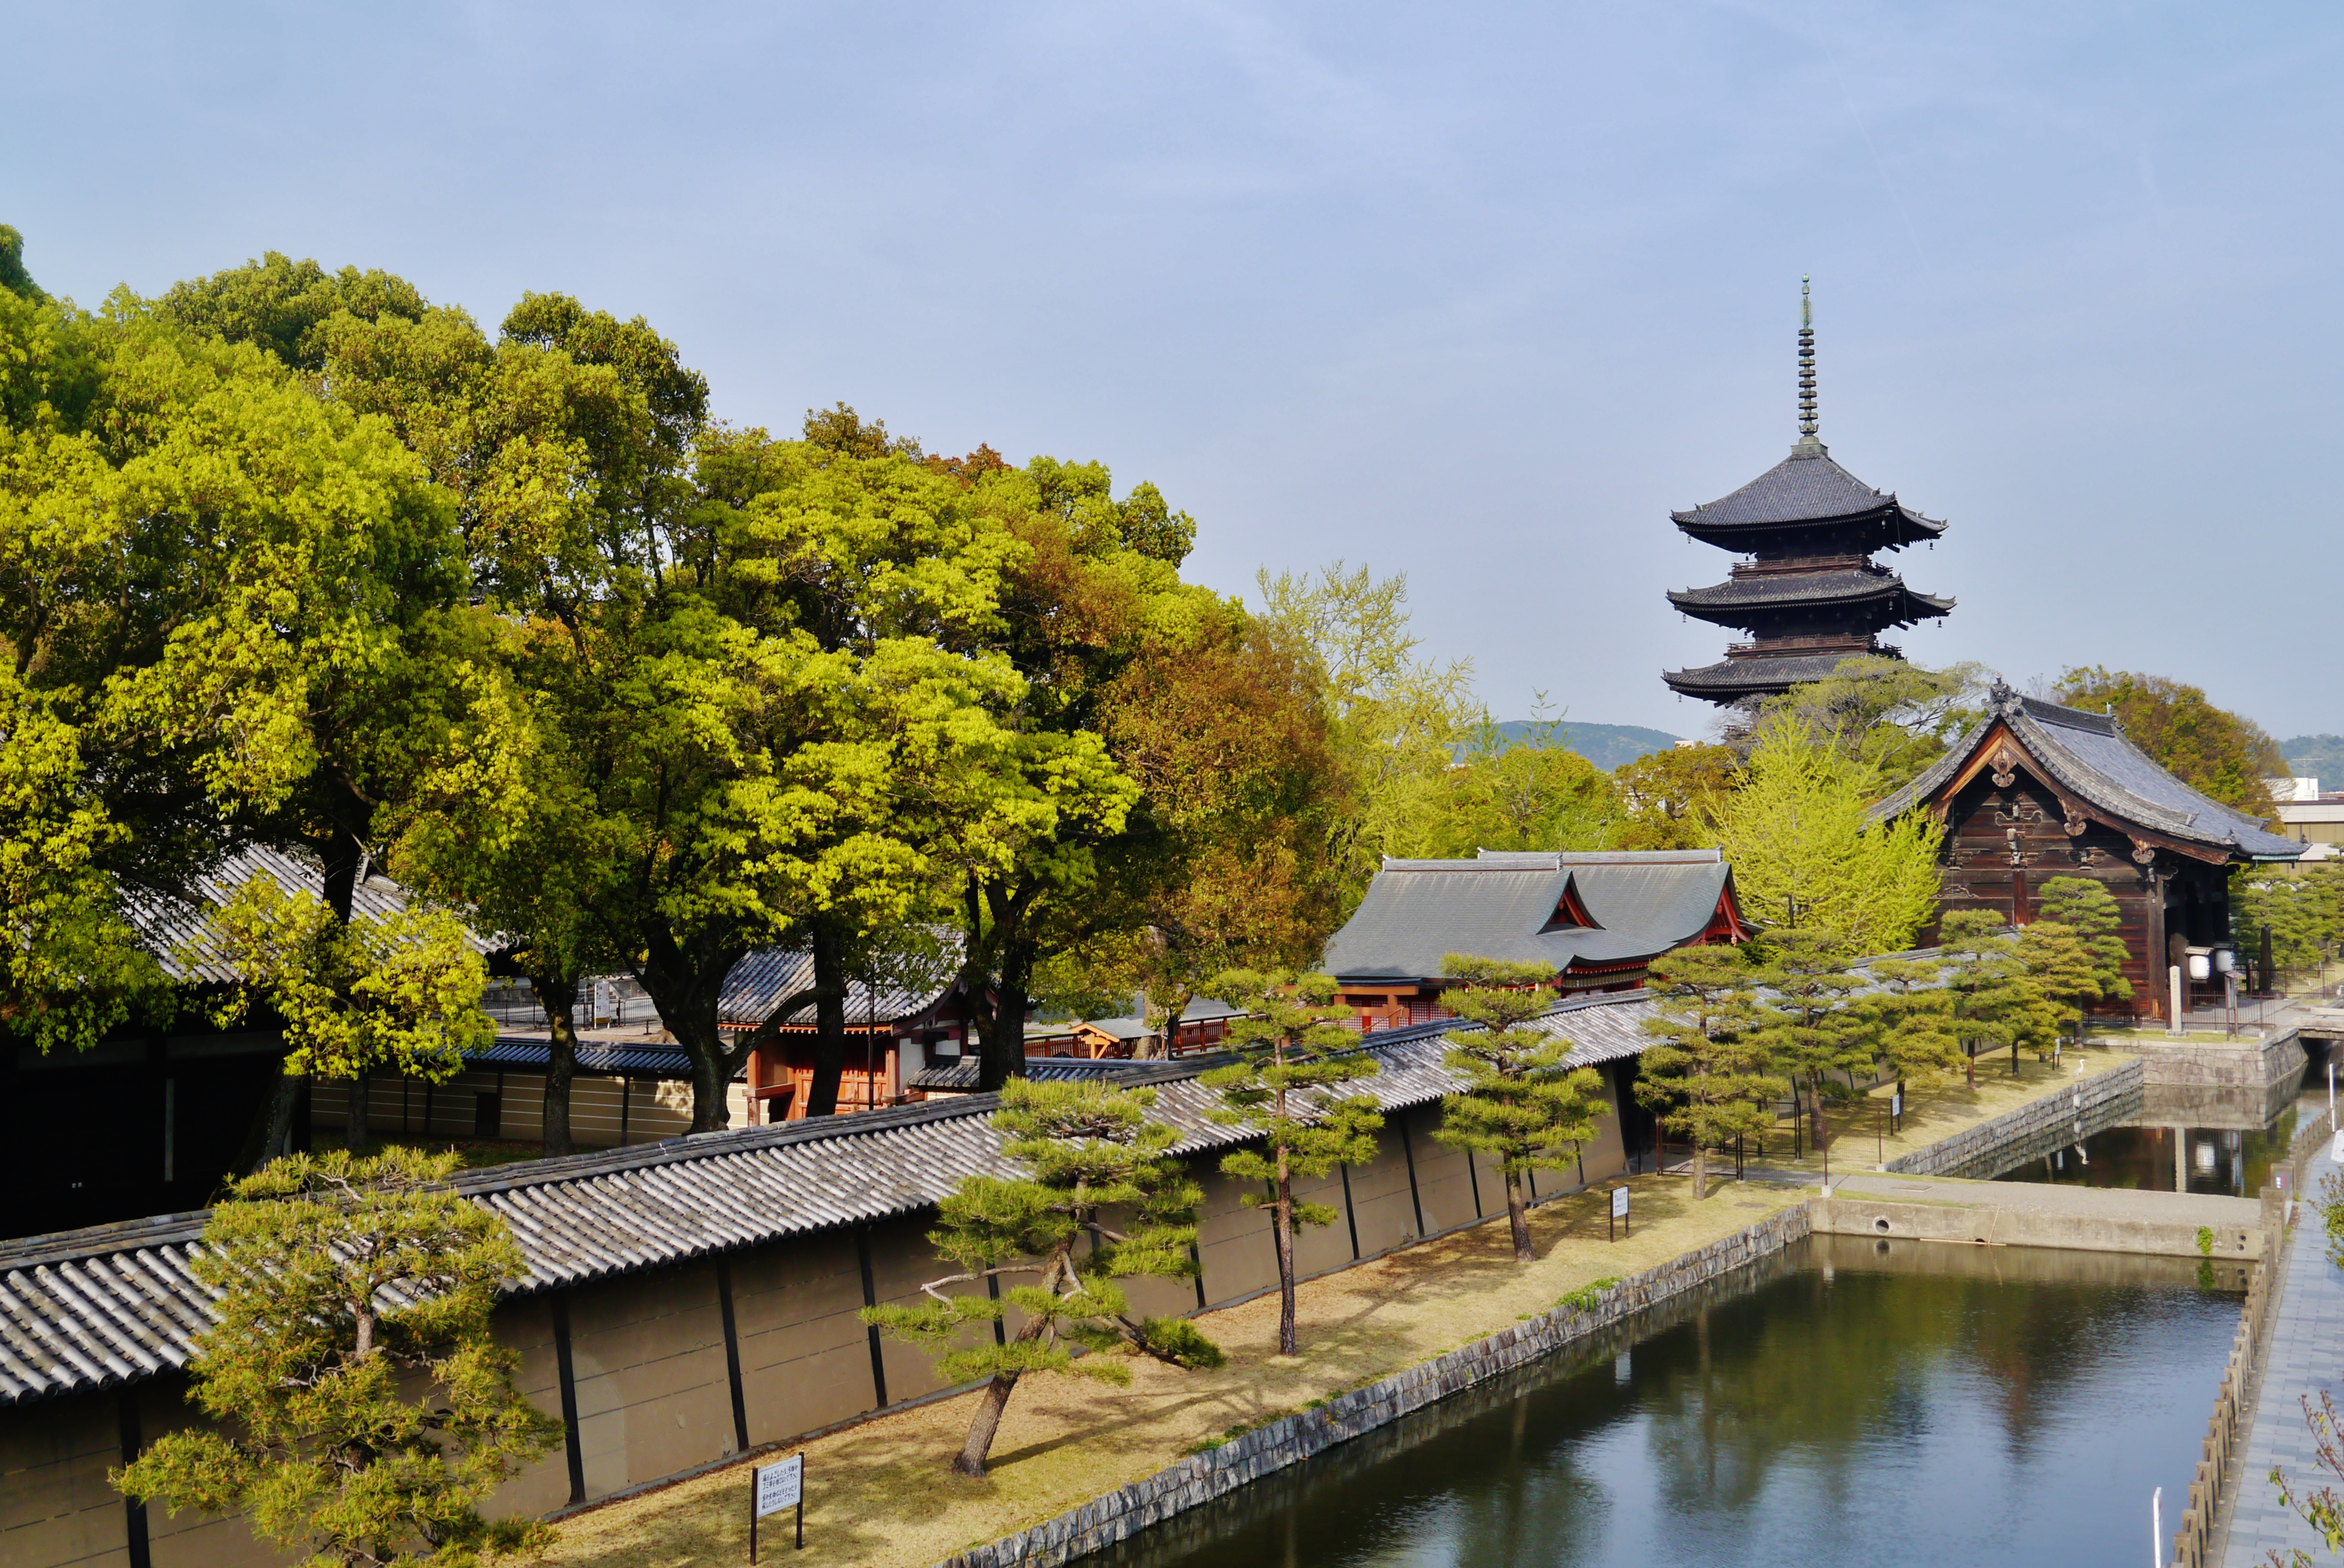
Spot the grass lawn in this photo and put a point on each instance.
(881, 1493)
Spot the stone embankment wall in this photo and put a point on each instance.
(1125, 1511)
(2245, 1064)
(2089, 1105)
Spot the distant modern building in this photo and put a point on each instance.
(2311, 818)
(1808, 591)
(2037, 791)
(1597, 920)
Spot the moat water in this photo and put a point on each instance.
(1850, 1401)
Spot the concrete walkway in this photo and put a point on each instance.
(2305, 1355)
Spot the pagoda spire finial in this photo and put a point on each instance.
(1808, 423)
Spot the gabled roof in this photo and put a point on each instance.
(114, 1304)
(1730, 603)
(1504, 905)
(1806, 489)
(2087, 757)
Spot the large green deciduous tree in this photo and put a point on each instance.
(1894, 717)
(1102, 1173)
(1524, 1104)
(1804, 851)
(1292, 1057)
(364, 1410)
(1531, 792)
(2219, 754)
(1396, 715)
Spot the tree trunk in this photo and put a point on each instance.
(355, 1133)
(1517, 1216)
(985, 1424)
(1699, 1170)
(1282, 1223)
(1004, 1045)
(986, 1421)
(711, 1084)
(558, 997)
(684, 987)
(829, 945)
(1816, 1101)
(277, 1119)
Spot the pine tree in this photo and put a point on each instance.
(1807, 1021)
(2090, 918)
(1907, 1019)
(1292, 1054)
(363, 1410)
(1093, 1154)
(1524, 1104)
(1985, 984)
(1709, 1079)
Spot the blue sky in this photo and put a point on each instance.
(1474, 292)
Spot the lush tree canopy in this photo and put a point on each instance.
(2219, 754)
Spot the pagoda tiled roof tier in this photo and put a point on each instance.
(1805, 495)
(1762, 671)
(1878, 597)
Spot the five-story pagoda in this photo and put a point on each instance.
(1808, 592)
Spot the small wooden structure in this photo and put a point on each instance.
(2035, 790)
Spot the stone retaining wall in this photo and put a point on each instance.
(2091, 1105)
(1290, 1440)
(2243, 1064)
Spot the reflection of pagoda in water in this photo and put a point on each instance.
(1808, 592)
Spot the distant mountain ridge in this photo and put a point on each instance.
(1605, 745)
(2318, 757)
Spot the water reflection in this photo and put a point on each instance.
(1866, 1403)
(2192, 1140)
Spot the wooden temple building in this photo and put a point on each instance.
(1807, 590)
(1597, 919)
(2035, 790)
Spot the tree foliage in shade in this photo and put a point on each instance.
(1293, 1058)
(1707, 1076)
(1094, 1158)
(364, 1410)
(2219, 754)
(1805, 850)
(1990, 999)
(1523, 1104)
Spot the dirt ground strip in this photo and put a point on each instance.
(881, 1493)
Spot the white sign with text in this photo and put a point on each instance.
(779, 1486)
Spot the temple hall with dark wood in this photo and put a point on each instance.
(2035, 790)
(1807, 590)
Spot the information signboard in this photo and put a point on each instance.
(772, 1488)
(1619, 1215)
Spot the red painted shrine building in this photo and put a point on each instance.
(2037, 791)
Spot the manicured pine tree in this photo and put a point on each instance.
(1985, 984)
(1292, 1056)
(2072, 950)
(363, 1411)
(1093, 1155)
(1807, 1021)
(1708, 1079)
(1907, 1019)
(1524, 1104)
